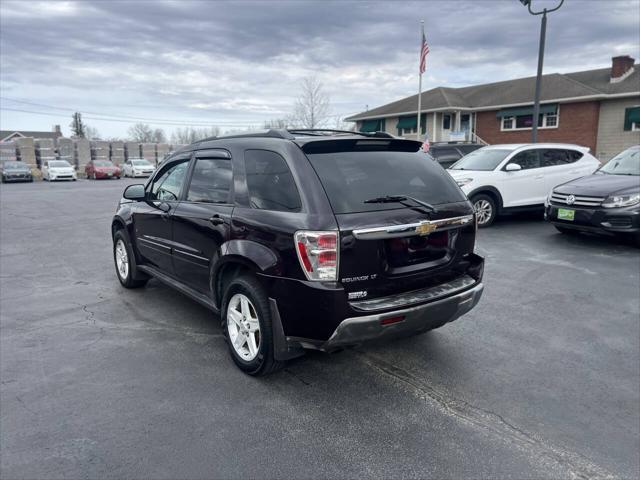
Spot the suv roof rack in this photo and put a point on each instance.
(328, 131)
(289, 134)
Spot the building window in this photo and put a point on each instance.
(525, 122)
(404, 131)
(446, 121)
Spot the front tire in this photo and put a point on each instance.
(126, 268)
(247, 327)
(486, 209)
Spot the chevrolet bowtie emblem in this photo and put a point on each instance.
(425, 228)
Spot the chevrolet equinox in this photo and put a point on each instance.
(301, 239)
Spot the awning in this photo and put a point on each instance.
(631, 115)
(371, 126)
(408, 122)
(516, 112)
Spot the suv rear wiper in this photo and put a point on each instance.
(401, 199)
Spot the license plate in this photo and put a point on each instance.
(110, 174)
(565, 214)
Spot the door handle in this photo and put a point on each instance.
(539, 177)
(216, 220)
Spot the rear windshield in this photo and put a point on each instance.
(350, 178)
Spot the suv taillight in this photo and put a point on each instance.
(318, 254)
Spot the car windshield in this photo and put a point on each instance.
(483, 159)
(140, 163)
(355, 180)
(103, 163)
(625, 163)
(59, 164)
(14, 166)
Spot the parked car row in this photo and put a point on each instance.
(54, 170)
(576, 192)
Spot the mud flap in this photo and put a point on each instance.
(282, 348)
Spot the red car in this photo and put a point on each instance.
(102, 169)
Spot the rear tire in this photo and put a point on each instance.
(245, 309)
(486, 209)
(124, 260)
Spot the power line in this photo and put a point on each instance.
(149, 119)
(167, 123)
(125, 117)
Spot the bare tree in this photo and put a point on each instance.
(77, 127)
(277, 123)
(140, 132)
(158, 136)
(312, 106)
(91, 132)
(190, 134)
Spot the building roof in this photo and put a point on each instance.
(6, 135)
(556, 87)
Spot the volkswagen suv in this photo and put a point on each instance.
(304, 239)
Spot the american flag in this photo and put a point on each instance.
(423, 54)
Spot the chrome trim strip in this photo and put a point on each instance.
(191, 255)
(145, 240)
(409, 229)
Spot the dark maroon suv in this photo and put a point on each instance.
(304, 239)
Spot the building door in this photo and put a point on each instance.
(465, 125)
(447, 121)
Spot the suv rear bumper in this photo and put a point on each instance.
(407, 321)
(318, 315)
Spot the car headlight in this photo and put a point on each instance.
(621, 200)
(464, 181)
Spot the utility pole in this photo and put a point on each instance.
(543, 34)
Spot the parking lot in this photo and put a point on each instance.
(540, 380)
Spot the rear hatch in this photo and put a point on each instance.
(404, 223)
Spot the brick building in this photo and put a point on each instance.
(595, 108)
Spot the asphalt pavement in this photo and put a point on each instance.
(541, 380)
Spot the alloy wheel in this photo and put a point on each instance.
(122, 260)
(243, 327)
(484, 211)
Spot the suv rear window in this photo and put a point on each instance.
(350, 178)
(270, 183)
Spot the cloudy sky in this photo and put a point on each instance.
(237, 64)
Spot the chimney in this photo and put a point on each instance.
(621, 68)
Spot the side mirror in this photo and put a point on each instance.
(513, 167)
(134, 192)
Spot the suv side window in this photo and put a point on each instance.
(527, 160)
(166, 187)
(550, 157)
(270, 183)
(574, 155)
(211, 181)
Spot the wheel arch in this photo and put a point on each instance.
(241, 256)
(493, 192)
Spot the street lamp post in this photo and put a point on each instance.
(543, 34)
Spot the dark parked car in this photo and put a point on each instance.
(16, 172)
(606, 202)
(446, 154)
(302, 239)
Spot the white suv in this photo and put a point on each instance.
(518, 176)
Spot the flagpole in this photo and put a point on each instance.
(420, 80)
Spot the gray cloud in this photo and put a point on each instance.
(239, 63)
